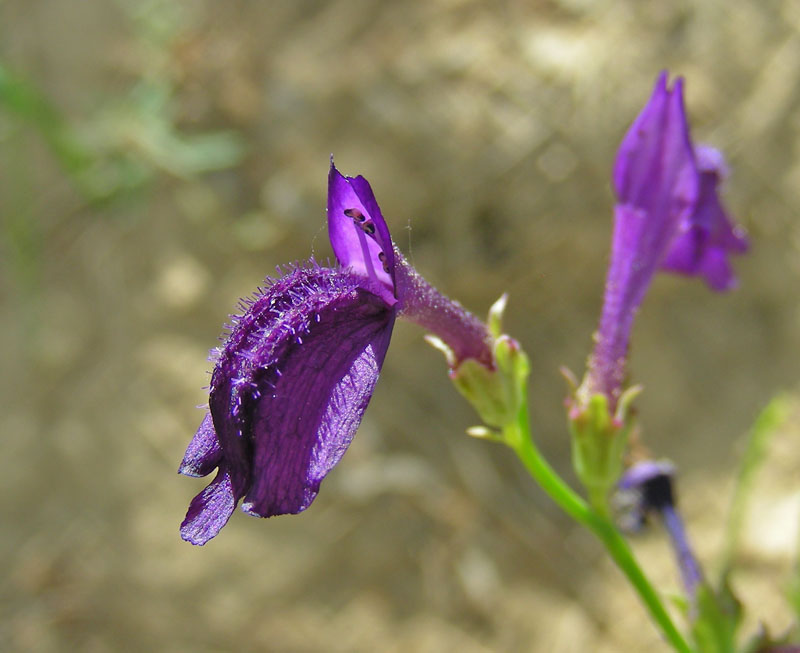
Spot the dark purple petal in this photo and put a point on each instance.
(203, 453)
(307, 416)
(358, 233)
(210, 510)
(709, 235)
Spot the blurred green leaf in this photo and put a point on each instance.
(793, 589)
(23, 99)
(123, 145)
(758, 440)
(716, 621)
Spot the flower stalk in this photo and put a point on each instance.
(518, 437)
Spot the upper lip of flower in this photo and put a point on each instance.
(654, 170)
(358, 233)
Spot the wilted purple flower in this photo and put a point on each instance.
(651, 484)
(668, 215)
(297, 371)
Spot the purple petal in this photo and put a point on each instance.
(210, 510)
(710, 159)
(292, 381)
(308, 415)
(230, 391)
(203, 453)
(358, 233)
(708, 235)
(630, 176)
(643, 472)
(694, 254)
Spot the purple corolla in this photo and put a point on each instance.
(668, 216)
(296, 373)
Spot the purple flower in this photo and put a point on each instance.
(297, 371)
(668, 216)
(651, 486)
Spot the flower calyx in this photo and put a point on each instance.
(599, 438)
(498, 392)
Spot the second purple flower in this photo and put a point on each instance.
(668, 216)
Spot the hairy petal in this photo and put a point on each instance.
(287, 394)
(307, 416)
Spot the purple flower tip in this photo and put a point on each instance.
(653, 171)
(644, 488)
(639, 475)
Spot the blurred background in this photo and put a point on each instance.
(158, 159)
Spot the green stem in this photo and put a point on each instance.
(519, 438)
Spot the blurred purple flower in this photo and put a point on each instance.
(650, 489)
(668, 215)
(297, 371)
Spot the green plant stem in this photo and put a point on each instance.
(518, 436)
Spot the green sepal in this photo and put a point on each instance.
(499, 392)
(599, 439)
